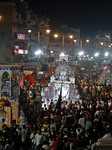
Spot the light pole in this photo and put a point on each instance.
(81, 44)
(87, 46)
(28, 44)
(63, 42)
(47, 40)
(38, 39)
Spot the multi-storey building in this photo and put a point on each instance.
(22, 28)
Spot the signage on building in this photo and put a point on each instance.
(20, 36)
(17, 50)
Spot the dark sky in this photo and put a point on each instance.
(89, 16)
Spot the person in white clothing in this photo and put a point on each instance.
(38, 139)
(82, 121)
(32, 138)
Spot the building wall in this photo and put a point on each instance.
(17, 18)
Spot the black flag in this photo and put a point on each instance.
(58, 104)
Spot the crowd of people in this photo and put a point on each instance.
(74, 126)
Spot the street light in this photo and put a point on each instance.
(62, 54)
(51, 52)
(48, 31)
(56, 35)
(96, 54)
(71, 36)
(0, 17)
(81, 53)
(102, 43)
(106, 54)
(29, 31)
(75, 41)
(38, 52)
(87, 41)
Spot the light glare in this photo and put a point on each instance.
(106, 54)
(81, 53)
(38, 52)
(97, 54)
(62, 54)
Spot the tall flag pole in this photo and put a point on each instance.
(58, 104)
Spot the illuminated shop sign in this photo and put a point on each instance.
(20, 36)
(17, 50)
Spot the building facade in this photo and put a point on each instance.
(23, 28)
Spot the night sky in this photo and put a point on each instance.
(89, 16)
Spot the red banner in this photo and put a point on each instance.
(30, 79)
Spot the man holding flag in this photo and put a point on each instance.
(58, 104)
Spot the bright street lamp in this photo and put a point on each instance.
(87, 41)
(62, 54)
(97, 54)
(29, 31)
(0, 17)
(102, 43)
(56, 35)
(51, 52)
(71, 36)
(75, 41)
(81, 53)
(38, 52)
(48, 31)
(106, 54)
